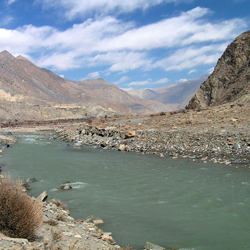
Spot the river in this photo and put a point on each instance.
(169, 202)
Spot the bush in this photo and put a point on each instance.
(20, 215)
(59, 204)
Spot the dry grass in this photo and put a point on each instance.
(61, 217)
(59, 204)
(52, 244)
(20, 215)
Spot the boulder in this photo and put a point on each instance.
(30, 180)
(236, 146)
(43, 196)
(107, 237)
(98, 222)
(121, 147)
(26, 186)
(130, 134)
(65, 187)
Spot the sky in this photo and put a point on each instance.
(134, 44)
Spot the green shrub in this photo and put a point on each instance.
(20, 215)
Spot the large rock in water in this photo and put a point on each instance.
(230, 81)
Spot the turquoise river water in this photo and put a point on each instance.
(140, 197)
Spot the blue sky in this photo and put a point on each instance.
(132, 43)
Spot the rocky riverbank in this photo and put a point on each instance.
(218, 134)
(60, 231)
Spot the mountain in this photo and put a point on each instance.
(146, 94)
(176, 95)
(30, 92)
(19, 76)
(230, 81)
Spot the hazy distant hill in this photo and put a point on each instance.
(230, 81)
(24, 87)
(176, 95)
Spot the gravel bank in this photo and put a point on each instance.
(219, 135)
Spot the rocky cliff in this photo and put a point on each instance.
(230, 81)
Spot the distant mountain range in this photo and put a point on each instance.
(28, 92)
(176, 95)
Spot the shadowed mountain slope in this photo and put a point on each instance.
(230, 81)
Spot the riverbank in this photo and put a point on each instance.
(218, 134)
(60, 231)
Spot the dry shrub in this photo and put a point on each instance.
(52, 243)
(61, 217)
(56, 235)
(59, 204)
(20, 215)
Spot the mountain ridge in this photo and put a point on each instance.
(230, 80)
(176, 95)
(31, 85)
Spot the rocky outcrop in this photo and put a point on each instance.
(230, 81)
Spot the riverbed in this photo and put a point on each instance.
(170, 202)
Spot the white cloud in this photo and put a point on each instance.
(210, 71)
(60, 61)
(122, 46)
(140, 83)
(192, 71)
(95, 74)
(148, 82)
(6, 20)
(189, 57)
(121, 61)
(183, 80)
(76, 8)
(162, 81)
(122, 80)
(9, 2)
(24, 39)
(176, 31)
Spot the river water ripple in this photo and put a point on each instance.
(140, 197)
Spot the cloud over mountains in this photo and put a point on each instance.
(97, 36)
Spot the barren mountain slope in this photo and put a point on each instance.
(23, 84)
(230, 81)
(176, 95)
(19, 76)
(100, 92)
